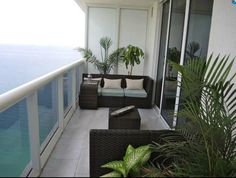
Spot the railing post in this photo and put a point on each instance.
(60, 102)
(33, 120)
(73, 88)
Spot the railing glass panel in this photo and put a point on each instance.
(48, 115)
(14, 140)
(78, 80)
(67, 91)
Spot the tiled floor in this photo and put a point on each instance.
(71, 154)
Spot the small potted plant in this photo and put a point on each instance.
(132, 55)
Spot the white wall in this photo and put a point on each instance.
(223, 29)
(133, 30)
(125, 25)
(150, 63)
(101, 22)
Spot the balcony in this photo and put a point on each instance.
(37, 114)
(33, 117)
(42, 130)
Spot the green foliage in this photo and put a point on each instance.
(108, 61)
(192, 48)
(132, 55)
(208, 103)
(112, 174)
(132, 162)
(173, 55)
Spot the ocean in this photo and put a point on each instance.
(22, 63)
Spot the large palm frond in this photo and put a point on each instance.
(88, 55)
(208, 102)
(105, 44)
(116, 57)
(107, 62)
(192, 48)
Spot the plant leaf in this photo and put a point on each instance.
(112, 174)
(134, 158)
(118, 166)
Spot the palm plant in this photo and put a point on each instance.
(208, 103)
(108, 61)
(192, 48)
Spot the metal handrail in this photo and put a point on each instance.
(13, 96)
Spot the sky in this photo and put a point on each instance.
(42, 22)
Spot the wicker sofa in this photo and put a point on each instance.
(121, 101)
(110, 145)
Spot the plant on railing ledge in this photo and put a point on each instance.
(108, 61)
(131, 164)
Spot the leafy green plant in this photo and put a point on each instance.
(173, 54)
(192, 49)
(208, 103)
(107, 61)
(132, 55)
(131, 164)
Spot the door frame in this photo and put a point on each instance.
(183, 46)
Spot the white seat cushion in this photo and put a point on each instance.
(134, 84)
(112, 83)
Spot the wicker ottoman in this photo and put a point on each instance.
(130, 120)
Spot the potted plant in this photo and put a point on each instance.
(208, 105)
(132, 56)
(107, 61)
(173, 54)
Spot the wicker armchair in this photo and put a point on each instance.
(109, 145)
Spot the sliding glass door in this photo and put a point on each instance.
(199, 23)
(164, 27)
(185, 24)
(173, 54)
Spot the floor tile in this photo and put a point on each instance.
(60, 168)
(71, 154)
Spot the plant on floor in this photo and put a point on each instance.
(131, 164)
(208, 104)
(107, 61)
(132, 55)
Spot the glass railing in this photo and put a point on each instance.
(48, 112)
(67, 92)
(14, 140)
(32, 118)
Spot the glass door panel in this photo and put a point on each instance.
(164, 27)
(198, 33)
(173, 54)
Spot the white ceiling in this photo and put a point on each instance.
(135, 3)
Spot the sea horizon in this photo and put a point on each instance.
(23, 63)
